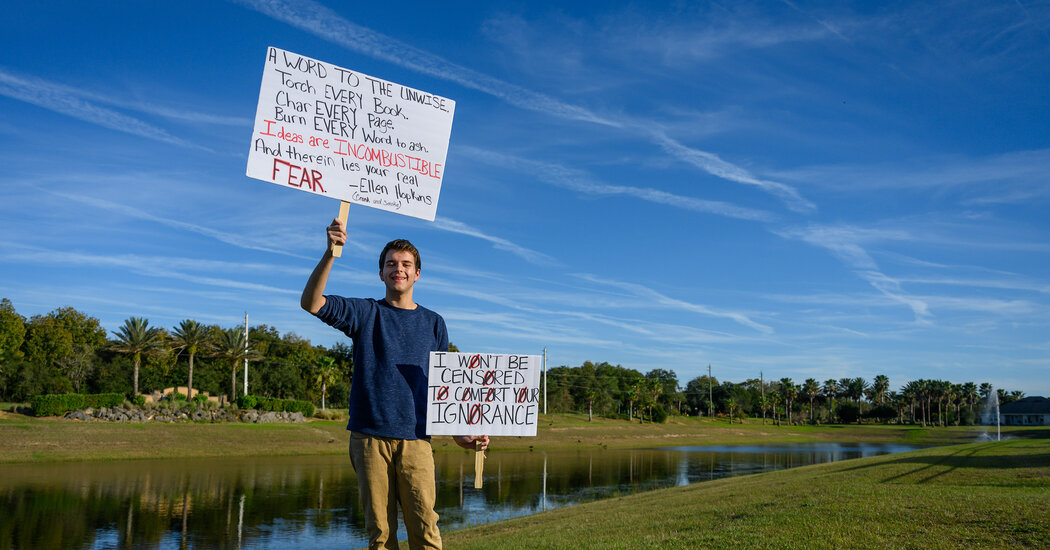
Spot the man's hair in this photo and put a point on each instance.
(400, 245)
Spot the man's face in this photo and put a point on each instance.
(399, 270)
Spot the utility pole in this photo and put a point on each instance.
(762, 384)
(245, 353)
(710, 393)
(544, 380)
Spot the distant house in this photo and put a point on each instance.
(1030, 411)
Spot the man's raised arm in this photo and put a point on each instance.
(313, 299)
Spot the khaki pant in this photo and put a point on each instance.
(389, 472)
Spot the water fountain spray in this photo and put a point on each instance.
(992, 405)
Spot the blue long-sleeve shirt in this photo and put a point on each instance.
(391, 360)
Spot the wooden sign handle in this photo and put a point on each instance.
(479, 464)
(344, 213)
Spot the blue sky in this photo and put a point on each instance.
(800, 189)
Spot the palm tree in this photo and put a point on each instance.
(326, 372)
(231, 344)
(831, 391)
(986, 390)
(879, 386)
(774, 400)
(789, 391)
(589, 395)
(136, 338)
(910, 393)
(898, 402)
(923, 390)
(969, 394)
(191, 337)
(957, 400)
(644, 397)
(942, 392)
(763, 403)
(854, 389)
(655, 390)
(811, 389)
(1009, 397)
(633, 392)
(732, 407)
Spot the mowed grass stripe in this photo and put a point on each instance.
(984, 495)
(28, 439)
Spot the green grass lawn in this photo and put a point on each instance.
(987, 495)
(29, 439)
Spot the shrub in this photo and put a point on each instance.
(883, 413)
(55, 404)
(305, 407)
(276, 405)
(200, 398)
(337, 414)
(61, 403)
(969, 418)
(848, 413)
(659, 414)
(99, 400)
(139, 400)
(175, 396)
(247, 401)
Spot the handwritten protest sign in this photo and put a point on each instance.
(483, 394)
(339, 133)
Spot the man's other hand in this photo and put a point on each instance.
(469, 441)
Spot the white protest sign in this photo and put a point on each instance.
(343, 134)
(483, 394)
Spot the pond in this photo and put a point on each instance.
(311, 502)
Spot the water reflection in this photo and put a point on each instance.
(311, 502)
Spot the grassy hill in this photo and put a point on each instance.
(981, 495)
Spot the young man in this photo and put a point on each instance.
(393, 338)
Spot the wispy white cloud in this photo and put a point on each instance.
(833, 29)
(531, 256)
(1006, 308)
(107, 306)
(1005, 178)
(582, 182)
(689, 35)
(158, 266)
(329, 25)
(583, 312)
(60, 99)
(714, 165)
(172, 113)
(1005, 284)
(234, 239)
(891, 288)
(674, 303)
(846, 243)
(520, 328)
(715, 37)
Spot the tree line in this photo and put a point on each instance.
(67, 351)
(615, 391)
